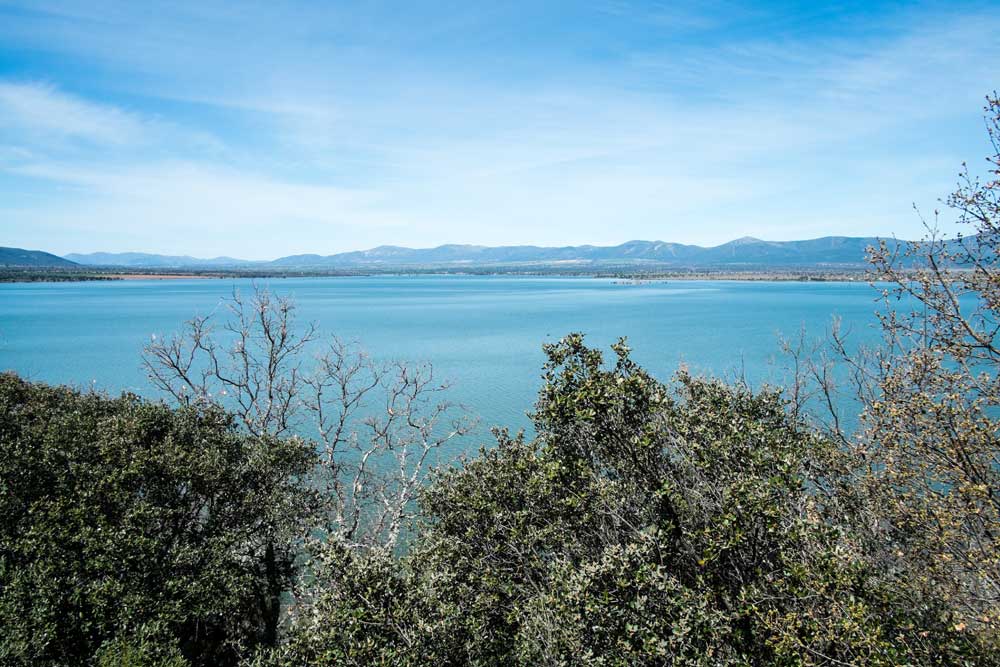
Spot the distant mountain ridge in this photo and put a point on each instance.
(31, 258)
(747, 252)
(148, 260)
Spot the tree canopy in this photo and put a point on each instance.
(121, 518)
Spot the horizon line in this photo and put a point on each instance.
(748, 238)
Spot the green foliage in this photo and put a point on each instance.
(120, 515)
(929, 442)
(694, 523)
(366, 611)
(149, 646)
(624, 608)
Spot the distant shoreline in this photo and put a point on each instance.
(622, 276)
(159, 276)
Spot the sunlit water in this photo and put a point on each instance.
(484, 334)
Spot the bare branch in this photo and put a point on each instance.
(378, 426)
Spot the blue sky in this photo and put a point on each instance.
(260, 129)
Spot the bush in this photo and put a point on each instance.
(118, 515)
(149, 646)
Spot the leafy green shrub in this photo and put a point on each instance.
(149, 646)
(363, 611)
(120, 514)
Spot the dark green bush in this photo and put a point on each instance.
(122, 515)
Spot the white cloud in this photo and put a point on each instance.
(43, 110)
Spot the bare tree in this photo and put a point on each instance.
(256, 370)
(927, 446)
(377, 424)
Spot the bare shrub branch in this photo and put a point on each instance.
(378, 425)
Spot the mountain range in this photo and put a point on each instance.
(146, 260)
(31, 258)
(750, 253)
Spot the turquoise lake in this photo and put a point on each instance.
(482, 333)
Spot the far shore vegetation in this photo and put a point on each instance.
(11, 274)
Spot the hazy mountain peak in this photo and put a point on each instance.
(746, 252)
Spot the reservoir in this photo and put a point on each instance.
(483, 334)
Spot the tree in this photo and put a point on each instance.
(931, 395)
(378, 424)
(138, 531)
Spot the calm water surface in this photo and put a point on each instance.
(483, 333)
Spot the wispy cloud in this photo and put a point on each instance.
(43, 111)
